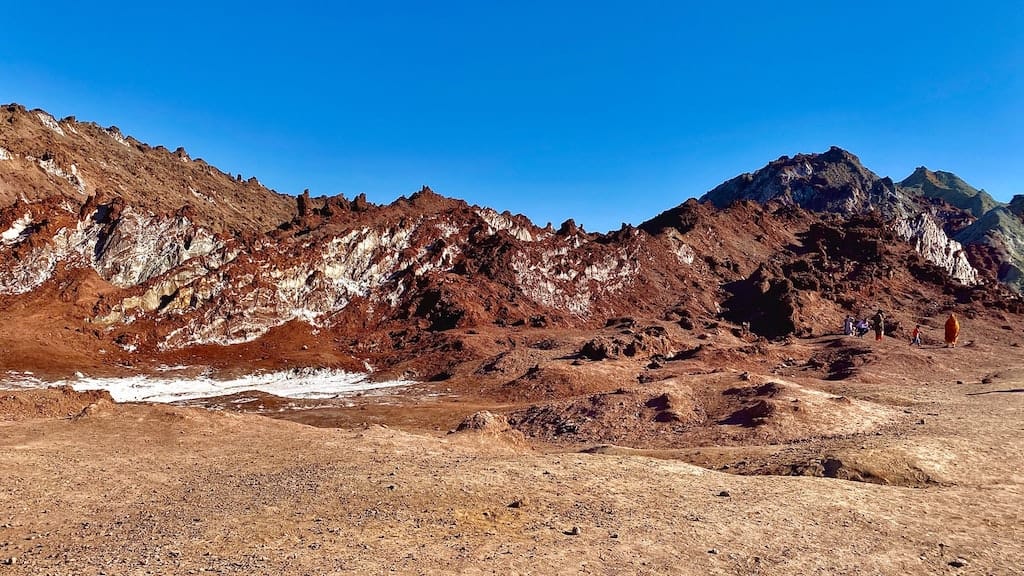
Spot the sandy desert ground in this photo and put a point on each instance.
(925, 447)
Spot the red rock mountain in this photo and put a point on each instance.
(116, 255)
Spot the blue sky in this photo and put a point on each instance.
(605, 112)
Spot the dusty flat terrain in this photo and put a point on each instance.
(153, 489)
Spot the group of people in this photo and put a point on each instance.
(854, 327)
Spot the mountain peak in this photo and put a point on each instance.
(837, 154)
(950, 188)
(832, 181)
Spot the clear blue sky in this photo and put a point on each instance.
(606, 112)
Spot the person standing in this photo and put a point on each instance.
(878, 323)
(952, 330)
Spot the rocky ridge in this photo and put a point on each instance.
(144, 273)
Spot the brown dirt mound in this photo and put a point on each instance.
(61, 402)
(490, 430)
(843, 358)
(779, 411)
(484, 421)
(636, 415)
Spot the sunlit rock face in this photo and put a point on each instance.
(931, 241)
(126, 252)
(139, 247)
(837, 182)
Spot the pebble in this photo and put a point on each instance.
(575, 531)
(724, 494)
(958, 563)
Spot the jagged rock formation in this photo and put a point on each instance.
(931, 241)
(126, 258)
(837, 182)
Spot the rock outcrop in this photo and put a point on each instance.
(837, 182)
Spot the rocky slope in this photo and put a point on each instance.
(997, 240)
(42, 158)
(117, 257)
(837, 182)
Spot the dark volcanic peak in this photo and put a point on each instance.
(949, 188)
(1016, 205)
(834, 181)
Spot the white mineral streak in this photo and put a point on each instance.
(931, 241)
(116, 135)
(36, 267)
(15, 234)
(684, 254)
(201, 196)
(50, 122)
(298, 383)
(563, 279)
(139, 247)
(72, 177)
(496, 222)
(78, 180)
(4, 154)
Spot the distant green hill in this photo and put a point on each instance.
(950, 188)
(1002, 229)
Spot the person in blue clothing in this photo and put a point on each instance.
(848, 325)
(862, 327)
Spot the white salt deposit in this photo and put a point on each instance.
(72, 177)
(50, 122)
(116, 135)
(299, 383)
(4, 154)
(13, 234)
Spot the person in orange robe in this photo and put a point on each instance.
(952, 330)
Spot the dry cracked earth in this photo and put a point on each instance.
(821, 456)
